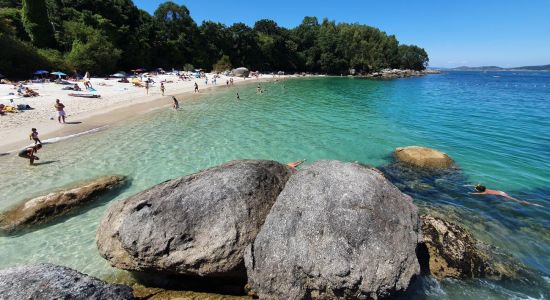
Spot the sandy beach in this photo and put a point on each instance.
(119, 101)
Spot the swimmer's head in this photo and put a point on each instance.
(39, 146)
(480, 188)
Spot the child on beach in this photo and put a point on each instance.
(34, 136)
(196, 87)
(162, 88)
(147, 86)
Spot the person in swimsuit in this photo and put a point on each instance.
(162, 88)
(482, 190)
(294, 164)
(176, 104)
(34, 136)
(196, 88)
(60, 110)
(29, 152)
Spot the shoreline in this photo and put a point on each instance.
(16, 137)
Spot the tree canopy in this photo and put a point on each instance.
(102, 36)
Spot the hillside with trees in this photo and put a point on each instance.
(103, 36)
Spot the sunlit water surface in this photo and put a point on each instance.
(495, 125)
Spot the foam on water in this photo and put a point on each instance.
(496, 131)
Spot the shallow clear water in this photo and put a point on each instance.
(496, 128)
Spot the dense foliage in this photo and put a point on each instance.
(103, 36)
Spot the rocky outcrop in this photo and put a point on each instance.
(400, 73)
(240, 72)
(450, 251)
(423, 157)
(195, 225)
(337, 230)
(43, 208)
(46, 281)
(160, 294)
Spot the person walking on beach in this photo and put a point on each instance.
(196, 87)
(482, 190)
(147, 86)
(176, 104)
(162, 88)
(60, 108)
(227, 82)
(205, 80)
(29, 152)
(34, 136)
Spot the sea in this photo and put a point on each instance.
(495, 125)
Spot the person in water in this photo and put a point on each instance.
(482, 190)
(29, 152)
(176, 104)
(238, 97)
(294, 164)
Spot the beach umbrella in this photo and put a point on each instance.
(58, 73)
(41, 72)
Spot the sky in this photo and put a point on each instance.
(507, 33)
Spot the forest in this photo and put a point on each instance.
(104, 36)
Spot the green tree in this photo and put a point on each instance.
(223, 64)
(36, 22)
(413, 57)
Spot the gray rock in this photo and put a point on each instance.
(194, 225)
(44, 208)
(46, 281)
(337, 230)
(240, 72)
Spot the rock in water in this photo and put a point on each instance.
(423, 157)
(46, 281)
(41, 209)
(337, 230)
(453, 252)
(194, 225)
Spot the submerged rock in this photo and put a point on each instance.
(194, 225)
(423, 157)
(337, 230)
(43, 208)
(46, 281)
(452, 252)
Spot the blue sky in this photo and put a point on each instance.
(484, 32)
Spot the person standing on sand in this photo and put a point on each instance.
(29, 152)
(34, 136)
(147, 86)
(196, 87)
(227, 82)
(162, 88)
(60, 108)
(176, 104)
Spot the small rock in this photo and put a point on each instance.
(423, 157)
(337, 230)
(46, 281)
(43, 208)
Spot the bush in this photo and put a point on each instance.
(223, 64)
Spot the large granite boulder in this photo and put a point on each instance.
(43, 208)
(337, 230)
(450, 251)
(194, 225)
(46, 281)
(423, 157)
(240, 72)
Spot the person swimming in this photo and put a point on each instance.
(482, 190)
(295, 163)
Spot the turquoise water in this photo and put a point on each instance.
(495, 125)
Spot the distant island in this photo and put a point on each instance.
(543, 68)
